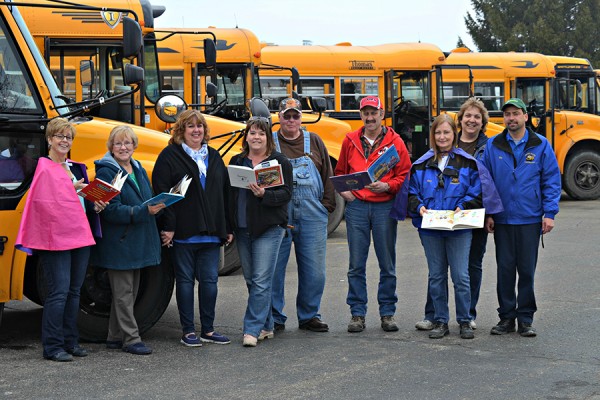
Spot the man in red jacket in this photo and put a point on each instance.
(368, 211)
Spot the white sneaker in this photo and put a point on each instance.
(473, 325)
(425, 325)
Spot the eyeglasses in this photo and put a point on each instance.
(287, 117)
(118, 145)
(63, 137)
(441, 180)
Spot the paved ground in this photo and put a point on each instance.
(563, 362)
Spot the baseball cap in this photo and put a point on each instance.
(515, 102)
(290, 104)
(371, 101)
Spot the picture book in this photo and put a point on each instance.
(449, 220)
(98, 190)
(176, 193)
(265, 174)
(358, 180)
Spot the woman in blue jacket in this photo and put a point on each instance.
(445, 178)
(130, 239)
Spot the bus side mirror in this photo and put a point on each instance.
(211, 89)
(210, 53)
(295, 77)
(318, 104)
(169, 107)
(133, 74)
(86, 73)
(132, 38)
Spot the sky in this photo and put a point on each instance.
(327, 22)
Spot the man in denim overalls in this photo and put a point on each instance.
(313, 197)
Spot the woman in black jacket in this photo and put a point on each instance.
(196, 226)
(260, 220)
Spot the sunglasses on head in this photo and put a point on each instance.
(259, 118)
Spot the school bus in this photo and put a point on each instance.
(29, 98)
(237, 76)
(562, 94)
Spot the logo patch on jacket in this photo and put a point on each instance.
(455, 180)
(530, 158)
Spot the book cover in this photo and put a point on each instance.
(99, 190)
(355, 181)
(176, 193)
(267, 174)
(449, 220)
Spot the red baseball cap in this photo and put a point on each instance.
(371, 101)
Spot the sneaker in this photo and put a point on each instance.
(216, 338)
(315, 325)
(425, 325)
(473, 324)
(388, 324)
(279, 327)
(439, 330)
(466, 332)
(78, 351)
(526, 330)
(191, 340)
(138, 348)
(249, 341)
(114, 344)
(266, 335)
(61, 356)
(357, 324)
(503, 327)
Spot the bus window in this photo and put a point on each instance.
(532, 92)
(320, 87)
(172, 83)
(355, 89)
(15, 87)
(454, 94)
(274, 90)
(491, 93)
(414, 88)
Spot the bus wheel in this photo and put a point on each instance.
(154, 296)
(581, 178)
(231, 262)
(1, 312)
(337, 215)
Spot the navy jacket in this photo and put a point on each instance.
(130, 237)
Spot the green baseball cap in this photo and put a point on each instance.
(515, 102)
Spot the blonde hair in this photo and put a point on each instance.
(57, 125)
(185, 118)
(122, 131)
(440, 119)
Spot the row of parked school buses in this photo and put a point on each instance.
(109, 65)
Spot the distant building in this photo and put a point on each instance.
(307, 43)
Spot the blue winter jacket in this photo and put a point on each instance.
(130, 236)
(458, 185)
(529, 187)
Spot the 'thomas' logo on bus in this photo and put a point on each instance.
(357, 64)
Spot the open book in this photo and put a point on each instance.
(265, 174)
(358, 180)
(176, 193)
(448, 220)
(98, 190)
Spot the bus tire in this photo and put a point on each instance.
(231, 262)
(1, 312)
(154, 295)
(335, 218)
(581, 178)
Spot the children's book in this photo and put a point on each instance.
(176, 193)
(449, 220)
(377, 170)
(98, 190)
(265, 174)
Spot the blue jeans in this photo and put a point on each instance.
(64, 272)
(362, 220)
(478, 245)
(196, 262)
(441, 252)
(516, 252)
(259, 257)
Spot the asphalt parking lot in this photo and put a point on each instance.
(562, 362)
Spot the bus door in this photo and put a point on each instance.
(407, 101)
(535, 94)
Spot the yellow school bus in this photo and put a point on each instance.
(562, 94)
(237, 77)
(29, 98)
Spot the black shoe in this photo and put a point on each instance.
(439, 331)
(526, 330)
(114, 344)
(315, 325)
(466, 332)
(138, 348)
(504, 326)
(279, 327)
(61, 356)
(78, 351)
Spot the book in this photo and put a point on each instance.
(387, 160)
(265, 174)
(176, 193)
(98, 190)
(449, 220)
